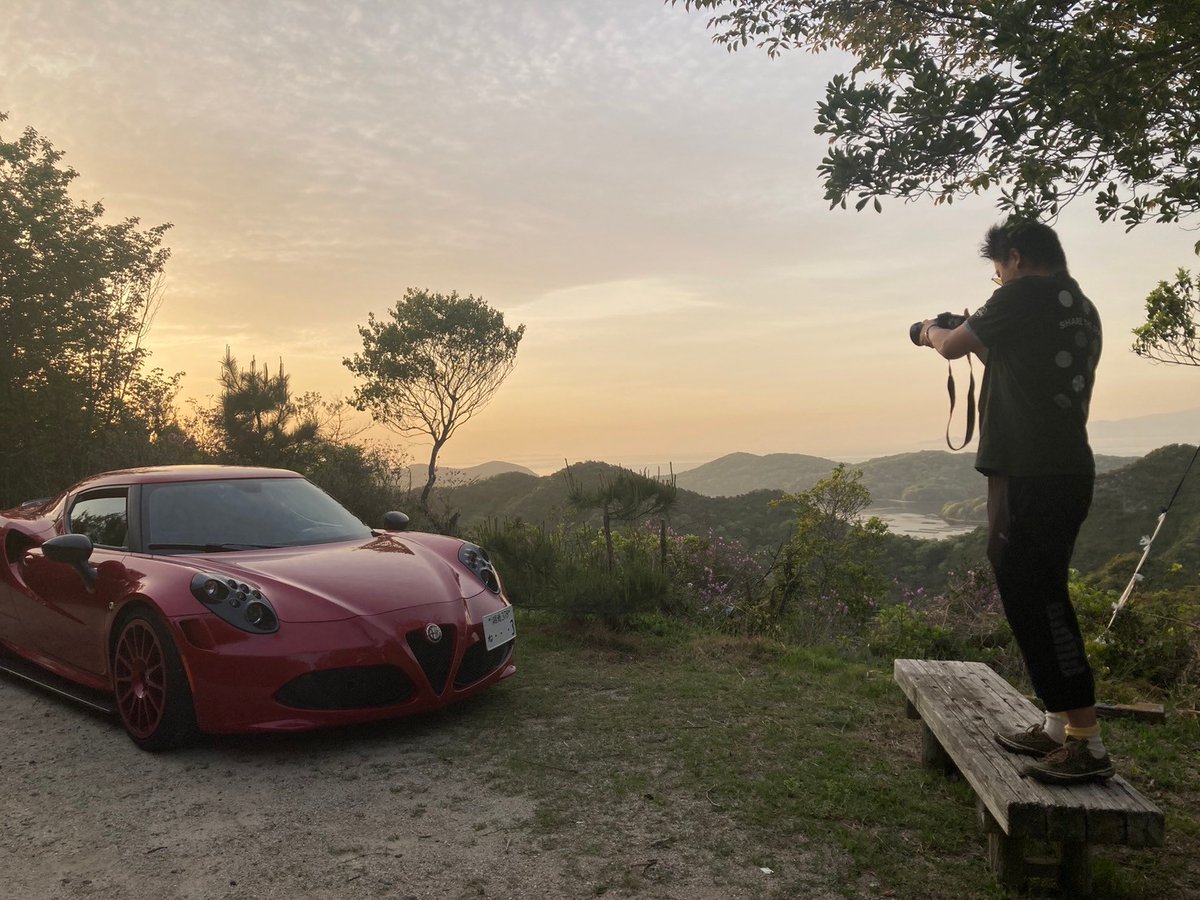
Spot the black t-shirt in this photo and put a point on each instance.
(1043, 341)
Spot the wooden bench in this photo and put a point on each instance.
(961, 706)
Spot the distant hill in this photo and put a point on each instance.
(1140, 435)
(544, 501)
(740, 473)
(1126, 506)
(1129, 496)
(418, 472)
(930, 477)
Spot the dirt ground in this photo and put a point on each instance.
(405, 810)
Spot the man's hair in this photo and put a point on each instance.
(1037, 244)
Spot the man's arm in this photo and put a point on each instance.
(953, 343)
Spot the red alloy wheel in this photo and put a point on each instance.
(140, 676)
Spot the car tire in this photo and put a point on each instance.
(151, 688)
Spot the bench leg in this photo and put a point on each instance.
(1075, 869)
(1006, 854)
(933, 755)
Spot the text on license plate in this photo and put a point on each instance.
(499, 628)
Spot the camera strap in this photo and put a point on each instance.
(970, 405)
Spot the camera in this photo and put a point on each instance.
(943, 320)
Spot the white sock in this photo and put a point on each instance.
(1055, 726)
(1096, 746)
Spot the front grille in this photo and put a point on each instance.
(361, 687)
(478, 662)
(435, 658)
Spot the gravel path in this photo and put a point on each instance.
(409, 809)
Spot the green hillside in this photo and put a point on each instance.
(930, 477)
(741, 473)
(1126, 506)
(1128, 498)
(543, 501)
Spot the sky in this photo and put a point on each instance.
(644, 202)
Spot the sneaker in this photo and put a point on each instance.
(1073, 763)
(1032, 741)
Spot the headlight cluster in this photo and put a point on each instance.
(237, 603)
(476, 559)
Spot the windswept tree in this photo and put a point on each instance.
(257, 420)
(436, 361)
(77, 297)
(1043, 100)
(623, 496)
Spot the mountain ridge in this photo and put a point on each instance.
(1125, 509)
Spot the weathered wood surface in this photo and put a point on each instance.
(963, 704)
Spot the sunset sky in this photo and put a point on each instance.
(646, 203)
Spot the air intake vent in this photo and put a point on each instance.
(479, 662)
(435, 657)
(360, 687)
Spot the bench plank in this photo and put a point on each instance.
(963, 704)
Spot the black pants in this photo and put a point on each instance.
(1032, 526)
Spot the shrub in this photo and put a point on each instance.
(716, 581)
(901, 632)
(565, 570)
(966, 621)
(1153, 640)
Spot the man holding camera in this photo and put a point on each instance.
(1039, 339)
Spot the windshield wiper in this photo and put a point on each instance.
(213, 548)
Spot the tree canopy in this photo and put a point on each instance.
(833, 557)
(1043, 100)
(261, 424)
(434, 363)
(77, 297)
(1169, 334)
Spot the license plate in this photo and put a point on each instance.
(499, 628)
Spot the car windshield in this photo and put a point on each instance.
(243, 514)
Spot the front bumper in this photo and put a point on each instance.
(323, 674)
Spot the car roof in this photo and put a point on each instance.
(167, 474)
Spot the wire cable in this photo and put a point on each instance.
(1148, 542)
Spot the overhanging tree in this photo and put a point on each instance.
(434, 363)
(1042, 100)
(1169, 334)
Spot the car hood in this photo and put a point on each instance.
(326, 582)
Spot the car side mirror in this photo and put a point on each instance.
(73, 550)
(394, 521)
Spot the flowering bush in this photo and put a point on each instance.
(715, 580)
(966, 621)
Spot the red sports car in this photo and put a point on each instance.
(228, 599)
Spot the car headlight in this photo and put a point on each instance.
(239, 604)
(476, 559)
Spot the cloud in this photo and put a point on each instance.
(591, 303)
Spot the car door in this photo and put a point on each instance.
(26, 526)
(67, 617)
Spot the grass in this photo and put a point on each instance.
(738, 752)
